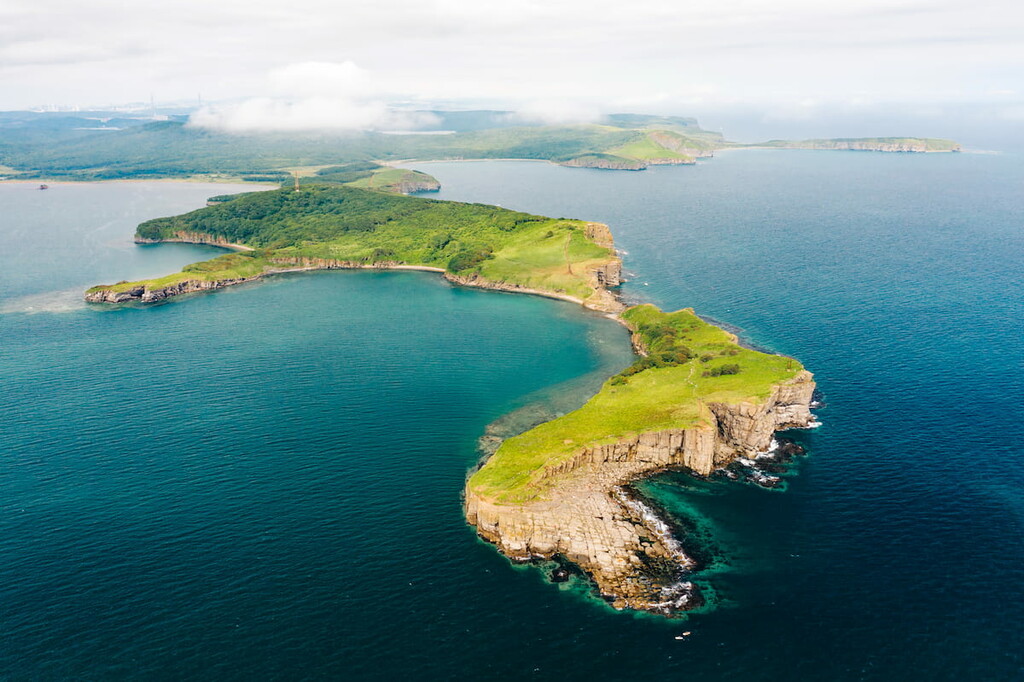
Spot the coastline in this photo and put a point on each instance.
(585, 514)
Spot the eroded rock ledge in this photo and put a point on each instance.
(590, 518)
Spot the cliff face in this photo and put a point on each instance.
(185, 237)
(410, 186)
(589, 516)
(620, 163)
(605, 162)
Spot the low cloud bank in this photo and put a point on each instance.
(313, 96)
(556, 112)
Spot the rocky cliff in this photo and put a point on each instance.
(590, 517)
(147, 295)
(605, 162)
(185, 237)
(411, 186)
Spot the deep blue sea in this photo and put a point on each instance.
(263, 482)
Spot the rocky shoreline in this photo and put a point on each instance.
(621, 545)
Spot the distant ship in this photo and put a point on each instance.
(44, 187)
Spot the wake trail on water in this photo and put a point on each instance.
(64, 301)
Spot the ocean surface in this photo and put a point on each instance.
(263, 482)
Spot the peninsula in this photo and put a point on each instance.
(694, 399)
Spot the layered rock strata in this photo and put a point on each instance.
(586, 516)
(185, 237)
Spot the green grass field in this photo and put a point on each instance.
(389, 179)
(646, 149)
(667, 390)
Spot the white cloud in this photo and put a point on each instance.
(263, 114)
(315, 79)
(324, 96)
(508, 52)
(557, 112)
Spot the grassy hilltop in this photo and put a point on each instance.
(286, 228)
(689, 364)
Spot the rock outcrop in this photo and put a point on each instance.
(589, 516)
(146, 295)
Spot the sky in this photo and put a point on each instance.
(341, 63)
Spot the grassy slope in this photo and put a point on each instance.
(646, 149)
(171, 149)
(388, 179)
(652, 399)
(351, 224)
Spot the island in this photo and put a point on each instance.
(694, 400)
(915, 145)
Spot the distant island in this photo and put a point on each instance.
(915, 145)
(694, 399)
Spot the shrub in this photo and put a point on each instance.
(380, 254)
(469, 258)
(722, 370)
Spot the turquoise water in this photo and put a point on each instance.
(264, 481)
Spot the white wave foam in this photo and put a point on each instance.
(767, 453)
(658, 528)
